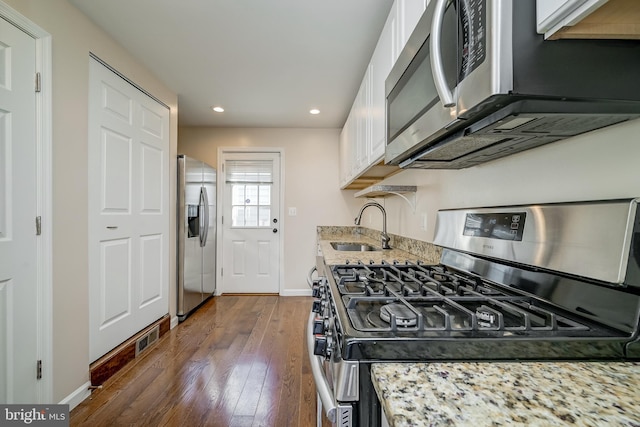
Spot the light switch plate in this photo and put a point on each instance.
(293, 211)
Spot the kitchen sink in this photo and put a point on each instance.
(353, 246)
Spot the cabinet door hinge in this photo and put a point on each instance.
(38, 83)
(39, 370)
(221, 272)
(38, 225)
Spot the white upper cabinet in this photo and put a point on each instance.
(381, 63)
(361, 110)
(409, 12)
(344, 155)
(363, 138)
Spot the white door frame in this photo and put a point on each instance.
(43, 197)
(220, 210)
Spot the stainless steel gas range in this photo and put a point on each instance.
(539, 282)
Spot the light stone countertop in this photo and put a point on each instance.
(402, 249)
(481, 394)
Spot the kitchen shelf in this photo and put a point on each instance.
(612, 19)
(382, 190)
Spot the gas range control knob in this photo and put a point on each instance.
(318, 327)
(323, 346)
(320, 346)
(318, 306)
(317, 291)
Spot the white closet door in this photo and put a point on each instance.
(18, 190)
(128, 210)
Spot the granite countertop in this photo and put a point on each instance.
(509, 393)
(402, 249)
(332, 256)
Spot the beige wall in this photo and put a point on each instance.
(73, 37)
(599, 165)
(310, 184)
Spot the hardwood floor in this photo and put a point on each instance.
(237, 361)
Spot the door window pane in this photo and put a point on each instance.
(251, 205)
(237, 195)
(251, 183)
(251, 195)
(265, 215)
(265, 194)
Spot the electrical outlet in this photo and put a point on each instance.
(293, 211)
(423, 221)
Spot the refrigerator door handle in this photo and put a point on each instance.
(204, 217)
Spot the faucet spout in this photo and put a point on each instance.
(384, 236)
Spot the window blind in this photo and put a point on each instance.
(249, 171)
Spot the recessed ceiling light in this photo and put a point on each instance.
(218, 109)
(314, 111)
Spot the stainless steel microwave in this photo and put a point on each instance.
(476, 82)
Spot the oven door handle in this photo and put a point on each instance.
(310, 276)
(322, 385)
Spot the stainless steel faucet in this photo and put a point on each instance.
(384, 236)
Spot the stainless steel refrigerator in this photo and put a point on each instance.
(196, 234)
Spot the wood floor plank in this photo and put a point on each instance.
(195, 405)
(237, 361)
(270, 398)
(289, 392)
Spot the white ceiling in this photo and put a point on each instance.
(267, 62)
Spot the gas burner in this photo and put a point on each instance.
(404, 315)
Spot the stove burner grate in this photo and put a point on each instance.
(413, 296)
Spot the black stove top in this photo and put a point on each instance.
(415, 311)
(414, 297)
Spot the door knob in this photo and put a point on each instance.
(275, 230)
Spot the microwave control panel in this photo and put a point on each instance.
(473, 18)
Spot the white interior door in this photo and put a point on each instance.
(251, 223)
(19, 302)
(128, 210)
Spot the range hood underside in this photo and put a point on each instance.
(519, 126)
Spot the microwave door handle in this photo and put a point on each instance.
(435, 54)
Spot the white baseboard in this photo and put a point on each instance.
(174, 322)
(305, 292)
(75, 398)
